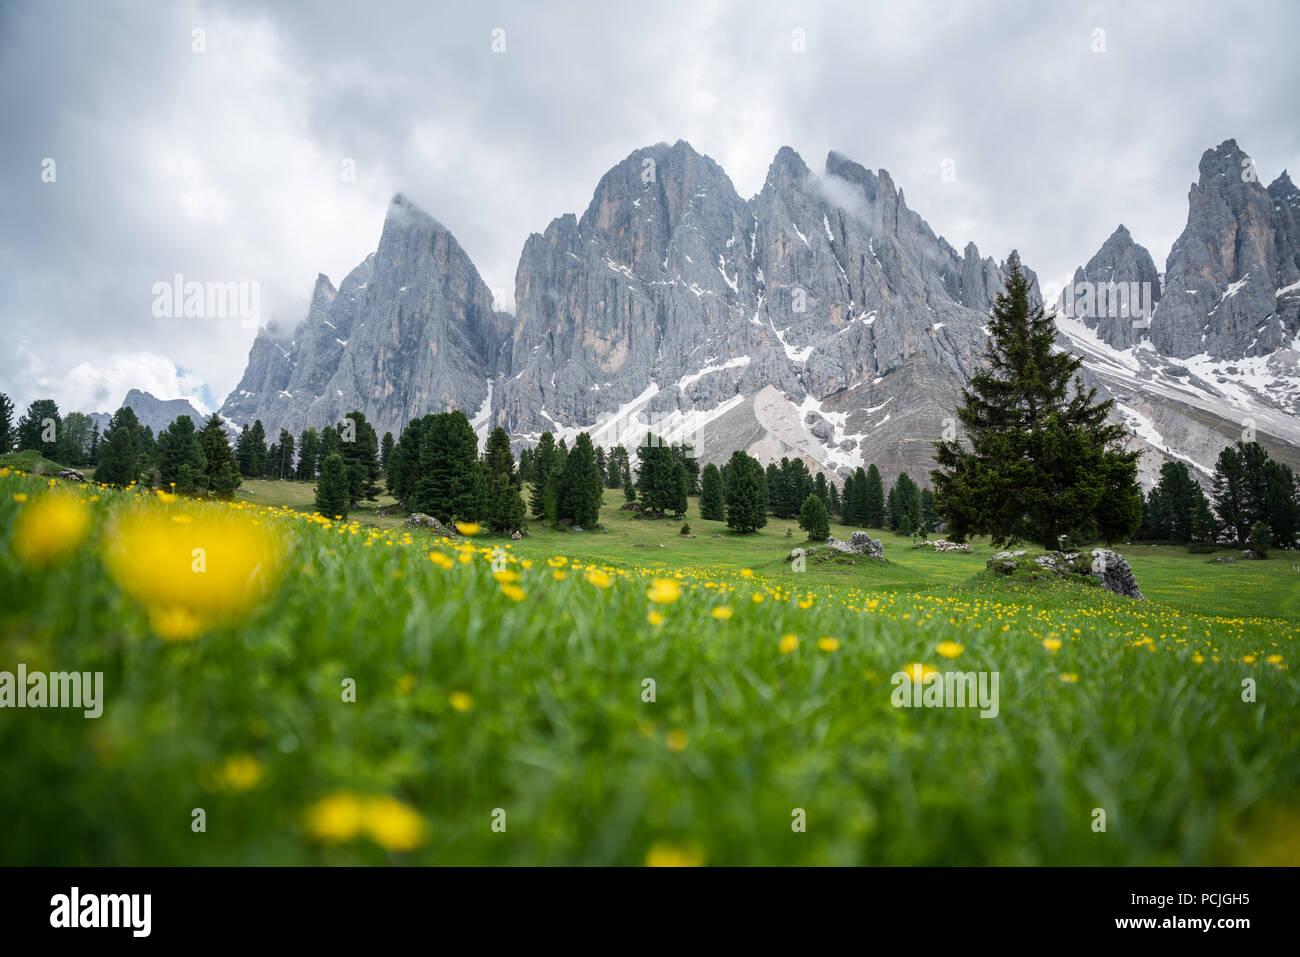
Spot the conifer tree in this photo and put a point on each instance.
(546, 460)
(120, 457)
(333, 488)
(873, 498)
(746, 493)
(222, 471)
(502, 483)
(579, 487)
(181, 463)
(1043, 460)
(308, 454)
(814, 519)
(7, 424)
(359, 446)
(712, 506)
(449, 486)
(38, 429)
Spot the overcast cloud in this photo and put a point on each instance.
(226, 165)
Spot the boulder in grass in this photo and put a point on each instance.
(419, 519)
(71, 474)
(1114, 573)
(859, 543)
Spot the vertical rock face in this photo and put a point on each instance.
(1103, 297)
(410, 330)
(1224, 273)
(674, 304)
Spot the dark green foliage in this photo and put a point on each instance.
(72, 447)
(448, 486)
(1043, 460)
(814, 519)
(504, 505)
(39, 427)
(333, 488)
(746, 494)
(1250, 487)
(712, 505)
(359, 446)
(904, 506)
(873, 497)
(546, 461)
(834, 505)
(330, 444)
(618, 467)
(660, 477)
(221, 469)
(8, 428)
(119, 459)
(281, 466)
(1175, 510)
(385, 452)
(251, 452)
(181, 463)
(579, 486)
(1259, 539)
(308, 454)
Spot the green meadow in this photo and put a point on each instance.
(359, 692)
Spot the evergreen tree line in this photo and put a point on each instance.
(1253, 498)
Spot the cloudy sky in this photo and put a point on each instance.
(214, 140)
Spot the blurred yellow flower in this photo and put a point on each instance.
(404, 684)
(191, 576)
(949, 649)
(789, 643)
(1069, 677)
(667, 855)
(558, 575)
(513, 592)
(664, 591)
(241, 772)
(49, 528)
(461, 701)
(441, 560)
(722, 612)
(918, 672)
(598, 578)
(676, 740)
(467, 528)
(828, 644)
(655, 618)
(1052, 644)
(505, 575)
(336, 818)
(806, 603)
(394, 826)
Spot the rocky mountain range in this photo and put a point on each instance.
(821, 318)
(152, 411)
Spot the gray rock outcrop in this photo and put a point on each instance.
(859, 543)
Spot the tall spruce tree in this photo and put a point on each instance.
(449, 486)
(222, 470)
(873, 498)
(712, 506)
(181, 463)
(119, 459)
(580, 488)
(814, 519)
(546, 461)
(333, 489)
(359, 446)
(308, 454)
(746, 494)
(38, 429)
(1043, 460)
(658, 479)
(7, 427)
(504, 504)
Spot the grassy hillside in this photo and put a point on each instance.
(508, 682)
